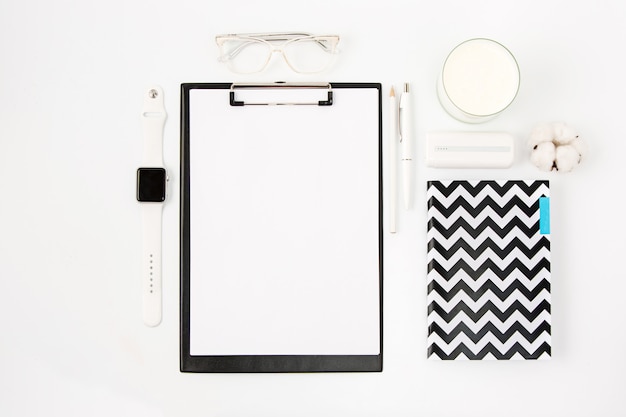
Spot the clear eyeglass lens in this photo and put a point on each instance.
(245, 55)
(309, 55)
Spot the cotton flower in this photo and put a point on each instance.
(543, 155)
(555, 146)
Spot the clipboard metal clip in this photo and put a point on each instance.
(282, 86)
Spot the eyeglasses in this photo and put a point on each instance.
(251, 52)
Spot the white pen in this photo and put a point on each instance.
(405, 141)
(393, 157)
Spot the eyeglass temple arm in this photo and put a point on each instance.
(287, 36)
(278, 36)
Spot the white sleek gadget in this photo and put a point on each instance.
(469, 149)
(151, 193)
(479, 79)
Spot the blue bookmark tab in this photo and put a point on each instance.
(544, 215)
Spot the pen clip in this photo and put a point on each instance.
(403, 98)
(400, 119)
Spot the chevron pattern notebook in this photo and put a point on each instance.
(488, 270)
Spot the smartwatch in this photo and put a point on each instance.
(151, 194)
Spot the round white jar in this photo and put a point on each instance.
(480, 78)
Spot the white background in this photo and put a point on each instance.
(72, 75)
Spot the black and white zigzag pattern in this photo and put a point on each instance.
(488, 271)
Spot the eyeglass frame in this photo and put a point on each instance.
(266, 38)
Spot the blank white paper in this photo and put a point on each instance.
(284, 226)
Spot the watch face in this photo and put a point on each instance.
(151, 184)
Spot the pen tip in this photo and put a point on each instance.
(392, 93)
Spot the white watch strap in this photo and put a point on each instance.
(151, 263)
(153, 120)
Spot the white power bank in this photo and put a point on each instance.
(470, 149)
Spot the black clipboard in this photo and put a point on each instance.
(302, 163)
